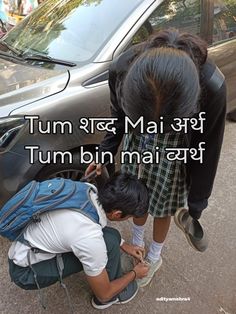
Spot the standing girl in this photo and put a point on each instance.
(169, 76)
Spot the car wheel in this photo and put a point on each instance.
(73, 171)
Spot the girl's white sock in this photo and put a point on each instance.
(138, 235)
(155, 251)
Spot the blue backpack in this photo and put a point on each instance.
(39, 197)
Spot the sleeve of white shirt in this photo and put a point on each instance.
(122, 241)
(92, 253)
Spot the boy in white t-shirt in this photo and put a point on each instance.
(85, 245)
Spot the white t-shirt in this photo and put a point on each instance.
(64, 231)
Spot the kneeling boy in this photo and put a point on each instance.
(84, 244)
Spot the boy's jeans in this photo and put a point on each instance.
(47, 271)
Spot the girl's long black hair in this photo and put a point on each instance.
(164, 79)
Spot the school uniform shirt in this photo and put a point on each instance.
(200, 177)
(64, 231)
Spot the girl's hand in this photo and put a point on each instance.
(92, 167)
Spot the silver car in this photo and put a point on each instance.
(54, 72)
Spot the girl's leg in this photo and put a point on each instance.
(140, 221)
(138, 230)
(160, 230)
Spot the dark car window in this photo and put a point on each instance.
(183, 15)
(224, 20)
(73, 30)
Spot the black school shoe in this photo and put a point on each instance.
(124, 297)
(231, 116)
(192, 230)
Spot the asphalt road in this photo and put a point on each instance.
(207, 280)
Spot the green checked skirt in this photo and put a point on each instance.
(166, 180)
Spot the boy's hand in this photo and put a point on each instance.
(133, 250)
(93, 166)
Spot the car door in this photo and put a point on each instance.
(222, 40)
(185, 16)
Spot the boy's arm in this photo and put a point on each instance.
(104, 289)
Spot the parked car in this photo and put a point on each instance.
(55, 63)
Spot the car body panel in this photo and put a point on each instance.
(224, 55)
(77, 97)
(22, 84)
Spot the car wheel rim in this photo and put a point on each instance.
(72, 174)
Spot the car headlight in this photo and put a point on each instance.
(10, 127)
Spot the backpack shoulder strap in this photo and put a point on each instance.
(82, 210)
(78, 210)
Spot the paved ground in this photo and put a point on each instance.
(208, 279)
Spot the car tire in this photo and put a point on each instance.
(73, 171)
(66, 170)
